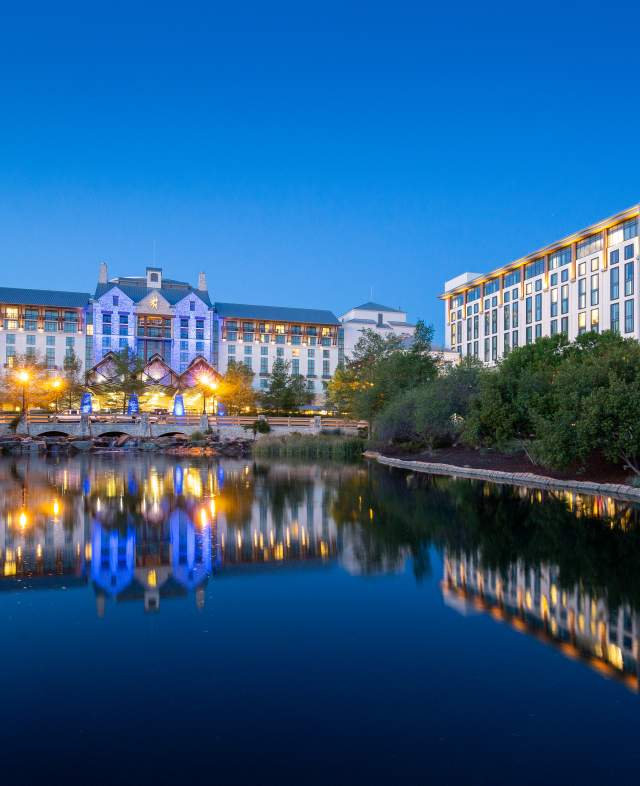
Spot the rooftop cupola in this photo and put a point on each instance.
(154, 277)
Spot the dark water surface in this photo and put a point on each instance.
(187, 621)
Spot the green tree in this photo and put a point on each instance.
(125, 380)
(286, 392)
(235, 389)
(73, 383)
(29, 381)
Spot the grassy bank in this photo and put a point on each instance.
(308, 447)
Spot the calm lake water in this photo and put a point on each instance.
(194, 621)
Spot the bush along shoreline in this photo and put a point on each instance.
(556, 408)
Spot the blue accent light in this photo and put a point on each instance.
(178, 406)
(86, 407)
(133, 407)
(177, 479)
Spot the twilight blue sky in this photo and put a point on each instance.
(303, 153)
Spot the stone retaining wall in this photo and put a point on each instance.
(528, 479)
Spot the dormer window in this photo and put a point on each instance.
(192, 305)
(153, 277)
(115, 300)
(379, 320)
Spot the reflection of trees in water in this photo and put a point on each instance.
(394, 510)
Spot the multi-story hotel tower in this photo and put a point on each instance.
(585, 281)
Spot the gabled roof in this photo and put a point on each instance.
(371, 306)
(43, 297)
(135, 288)
(276, 313)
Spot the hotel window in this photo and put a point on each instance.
(595, 264)
(200, 329)
(514, 315)
(297, 340)
(184, 327)
(280, 339)
(512, 278)
(124, 324)
(248, 362)
(615, 317)
(628, 279)
(564, 299)
(295, 367)
(51, 341)
(50, 320)
(115, 299)
(560, 258)
(534, 269)
(494, 320)
(123, 342)
(264, 365)
(487, 320)
(231, 349)
(311, 368)
(264, 384)
(582, 293)
(582, 322)
(564, 326)
(538, 286)
(325, 368)
(507, 296)
(11, 356)
(184, 346)
(280, 329)
(528, 310)
(469, 327)
(326, 341)
(491, 286)
(184, 360)
(70, 321)
(538, 331)
(514, 339)
(554, 279)
(192, 305)
(595, 319)
(106, 324)
(625, 231)
(31, 341)
(590, 245)
(564, 275)
(506, 317)
(475, 349)
(628, 316)
(30, 318)
(280, 352)
(529, 335)
(582, 269)
(50, 357)
(264, 350)
(554, 302)
(486, 350)
(106, 342)
(475, 326)
(628, 251)
(538, 313)
(614, 283)
(200, 347)
(506, 343)
(614, 257)
(453, 334)
(554, 327)
(595, 289)
(248, 349)
(11, 321)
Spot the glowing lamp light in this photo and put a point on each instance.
(23, 376)
(22, 519)
(56, 383)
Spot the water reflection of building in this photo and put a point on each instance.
(147, 529)
(286, 518)
(531, 600)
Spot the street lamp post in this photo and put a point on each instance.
(23, 378)
(56, 386)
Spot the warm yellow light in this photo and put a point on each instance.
(23, 376)
(152, 579)
(204, 379)
(56, 383)
(56, 507)
(22, 519)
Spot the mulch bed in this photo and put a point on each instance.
(596, 471)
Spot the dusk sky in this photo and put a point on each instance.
(309, 157)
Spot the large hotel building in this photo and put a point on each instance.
(585, 281)
(179, 331)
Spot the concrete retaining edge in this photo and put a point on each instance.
(528, 479)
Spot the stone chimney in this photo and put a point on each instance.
(202, 282)
(102, 273)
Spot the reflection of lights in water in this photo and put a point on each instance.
(212, 507)
(56, 507)
(22, 519)
(204, 519)
(39, 551)
(152, 579)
